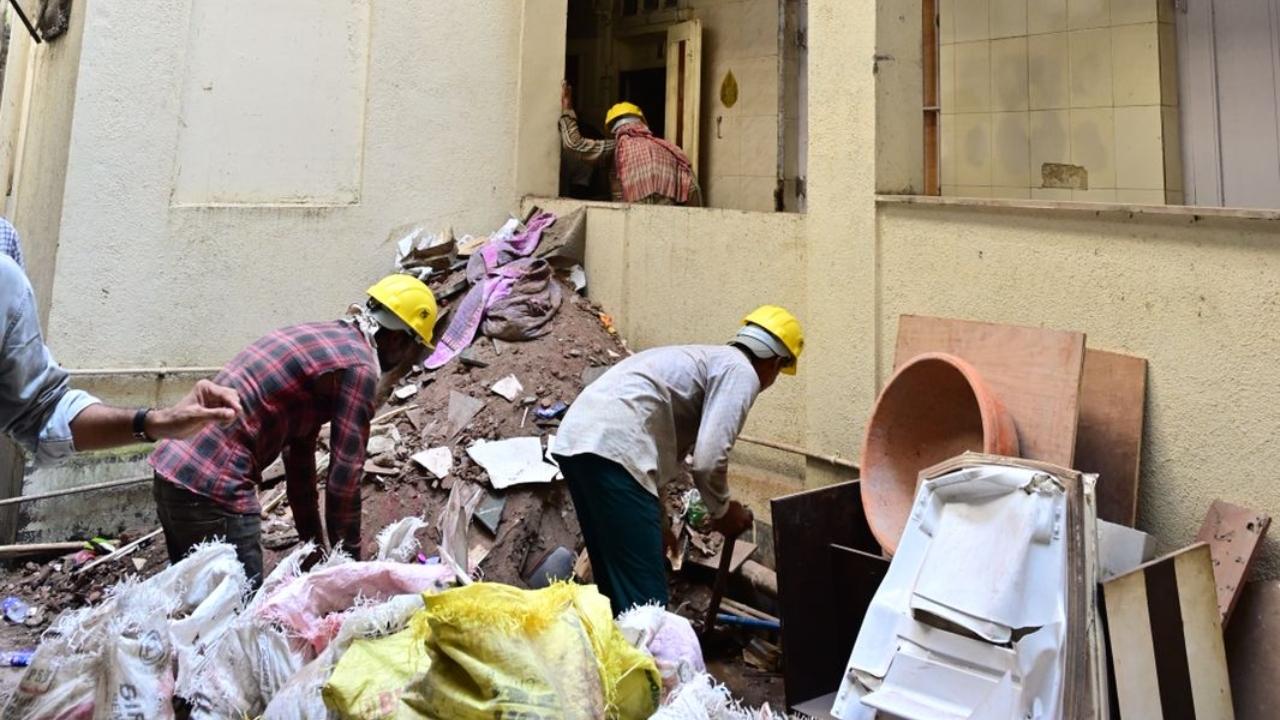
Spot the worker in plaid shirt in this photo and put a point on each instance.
(291, 382)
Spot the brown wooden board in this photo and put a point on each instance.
(1113, 392)
(742, 550)
(1165, 640)
(1234, 534)
(818, 626)
(1034, 371)
(1253, 651)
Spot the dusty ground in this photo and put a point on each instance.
(535, 519)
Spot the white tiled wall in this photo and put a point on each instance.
(1081, 82)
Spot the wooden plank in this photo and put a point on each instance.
(741, 551)
(1113, 393)
(684, 87)
(1234, 535)
(1034, 371)
(818, 627)
(1165, 640)
(1253, 651)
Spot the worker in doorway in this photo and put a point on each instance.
(643, 168)
(628, 433)
(40, 411)
(291, 382)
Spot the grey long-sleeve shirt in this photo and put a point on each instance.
(648, 411)
(36, 406)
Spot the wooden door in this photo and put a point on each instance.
(684, 87)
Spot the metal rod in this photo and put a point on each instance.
(23, 17)
(76, 490)
(787, 447)
(748, 622)
(161, 371)
(120, 552)
(33, 549)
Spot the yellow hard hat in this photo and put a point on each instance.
(622, 109)
(782, 325)
(411, 301)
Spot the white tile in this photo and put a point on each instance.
(971, 20)
(973, 76)
(946, 22)
(1046, 16)
(1124, 12)
(1082, 14)
(1009, 74)
(1100, 195)
(1168, 64)
(1135, 58)
(1093, 145)
(1010, 149)
(1091, 73)
(759, 145)
(973, 191)
(722, 152)
(946, 150)
(1056, 194)
(757, 86)
(1140, 197)
(757, 194)
(1011, 193)
(724, 191)
(1050, 132)
(973, 148)
(1139, 148)
(1049, 72)
(947, 78)
(1008, 18)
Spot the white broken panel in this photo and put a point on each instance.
(969, 621)
(508, 387)
(515, 461)
(438, 461)
(404, 392)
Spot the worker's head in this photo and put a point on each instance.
(406, 311)
(624, 113)
(772, 338)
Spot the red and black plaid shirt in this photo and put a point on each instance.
(290, 382)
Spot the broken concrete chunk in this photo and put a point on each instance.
(591, 374)
(438, 461)
(468, 357)
(462, 410)
(380, 445)
(508, 387)
(489, 513)
(404, 392)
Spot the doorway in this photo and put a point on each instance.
(648, 89)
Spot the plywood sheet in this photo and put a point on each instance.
(1165, 640)
(818, 625)
(1253, 651)
(1034, 371)
(1113, 392)
(1234, 534)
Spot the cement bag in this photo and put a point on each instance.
(313, 607)
(59, 683)
(669, 639)
(497, 651)
(702, 698)
(137, 675)
(373, 674)
(301, 697)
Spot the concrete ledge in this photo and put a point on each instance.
(1175, 212)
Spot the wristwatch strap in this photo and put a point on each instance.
(140, 425)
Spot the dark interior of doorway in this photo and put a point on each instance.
(648, 89)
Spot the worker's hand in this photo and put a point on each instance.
(736, 520)
(566, 96)
(207, 402)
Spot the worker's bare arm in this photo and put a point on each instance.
(101, 426)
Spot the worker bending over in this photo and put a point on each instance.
(40, 411)
(628, 433)
(291, 382)
(643, 168)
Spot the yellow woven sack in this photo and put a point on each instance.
(370, 677)
(497, 651)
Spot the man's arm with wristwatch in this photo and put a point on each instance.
(101, 426)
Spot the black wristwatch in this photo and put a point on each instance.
(140, 425)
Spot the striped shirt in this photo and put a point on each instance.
(652, 409)
(290, 383)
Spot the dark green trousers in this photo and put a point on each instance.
(622, 526)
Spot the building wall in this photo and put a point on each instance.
(1028, 85)
(153, 268)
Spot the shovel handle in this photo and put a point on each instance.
(722, 578)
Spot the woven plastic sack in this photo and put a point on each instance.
(669, 639)
(372, 675)
(497, 651)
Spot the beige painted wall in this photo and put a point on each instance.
(147, 277)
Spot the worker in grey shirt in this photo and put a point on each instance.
(40, 411)
(628, 433)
